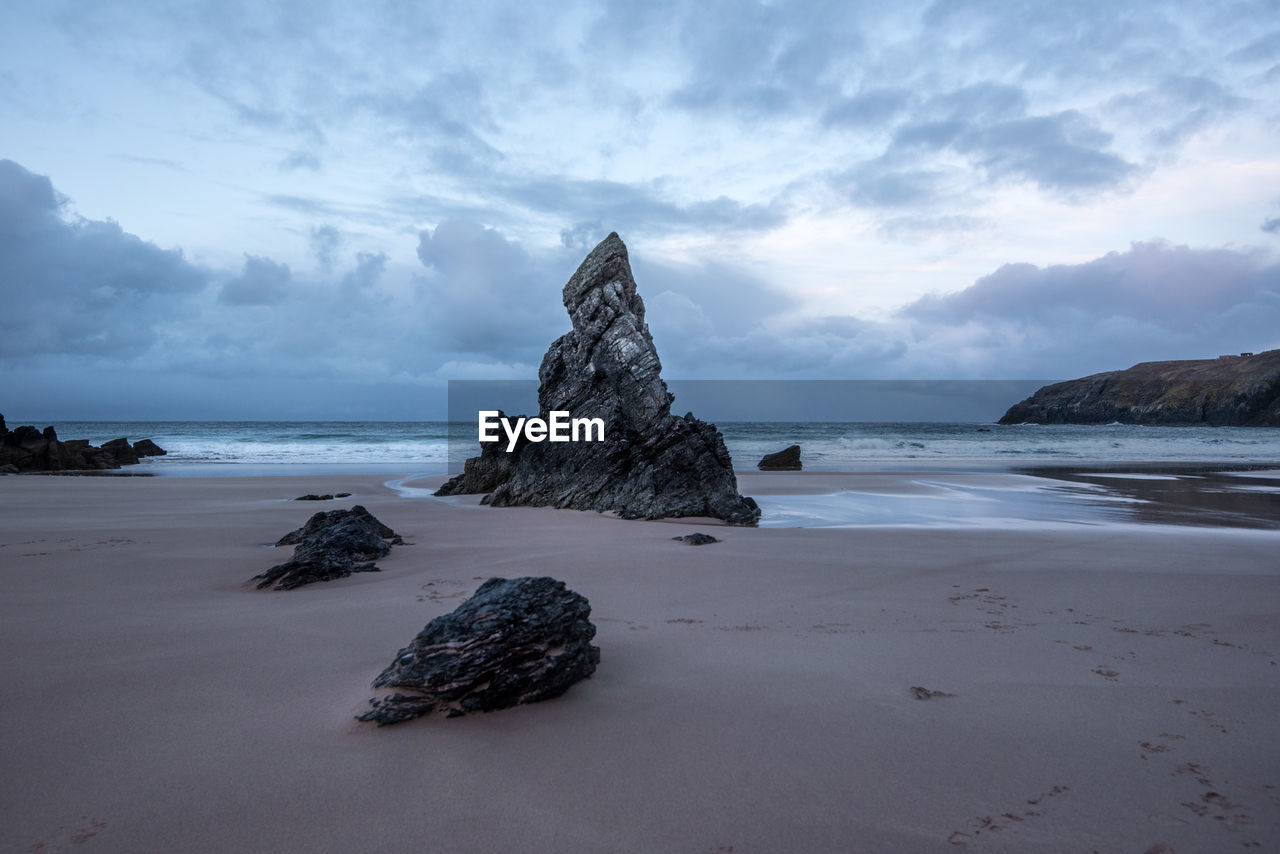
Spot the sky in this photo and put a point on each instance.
(313, 210)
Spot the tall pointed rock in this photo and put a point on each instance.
(651, 463)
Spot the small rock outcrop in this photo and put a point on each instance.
(517, 640)
(787, 459)
(121, 451)
(925, 694)
(331, 545)
(651, 464)
(1231, 391)
(485, 473)
(27, 449)
(311, 496)
(697, 538)
(148, 448)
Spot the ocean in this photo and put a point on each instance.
(957, 474)
(213, 448)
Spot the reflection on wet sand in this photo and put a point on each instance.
(1165, 494)
(1171, 494)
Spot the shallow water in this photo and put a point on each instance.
(1043, 498)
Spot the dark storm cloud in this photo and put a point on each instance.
(79, 286)
(261, 282)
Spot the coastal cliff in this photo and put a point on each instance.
(1235, 391)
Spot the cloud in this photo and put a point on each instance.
(1153, 301)
(880, 184)
(1263, 49)
(487, 296)
(636, 209)
(755, 61)
(1176, 109)
(990, 124)
(75, 285)
(262, 282)
(1271, 225)
(324, 243)
(296, 160)
(368, 271)
(873, 108)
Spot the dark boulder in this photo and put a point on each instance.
(787, 459)
(697, 538)
(651, 464)
(78, 454)
(148, 448)
(122, 451)
(331, 545)
(517, 640)
(1240, 391)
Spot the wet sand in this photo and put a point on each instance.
(1105, 687)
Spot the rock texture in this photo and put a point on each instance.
(485, 473)
(331, 545)
(1242, 391)
(651, 463)
(27, 449)
(518, 640)
(787, 459)
(311, 496)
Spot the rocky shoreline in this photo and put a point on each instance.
(27, 449)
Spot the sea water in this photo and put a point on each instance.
(265, 447)
(1037, 476)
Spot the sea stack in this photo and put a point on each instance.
(650, 464)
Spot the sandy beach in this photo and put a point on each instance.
(1106, 688)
